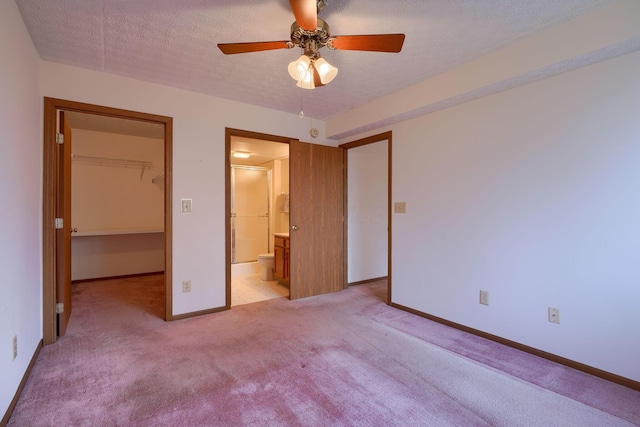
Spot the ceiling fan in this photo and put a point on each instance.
(311, 33)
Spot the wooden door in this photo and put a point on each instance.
(316, 217)
(63, 235)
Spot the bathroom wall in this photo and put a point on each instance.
(280, 186)
(281, 216)
(118, 211)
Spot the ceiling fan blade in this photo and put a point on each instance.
(306, 13)
(373, 42)
(233, 48)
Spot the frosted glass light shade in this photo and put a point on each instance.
(300, 68)
(326, 71)
(307, 82)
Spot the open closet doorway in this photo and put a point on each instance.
(117, 190)
(369, 210)
(117, 197)
(259, 218)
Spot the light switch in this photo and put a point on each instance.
(400, 207)
(186, 205)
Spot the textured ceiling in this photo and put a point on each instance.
(174, 42)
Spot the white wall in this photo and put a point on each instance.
(116, 255)
(199, 123)
(109, 198)
(109, 203)
(531, 194)
(367, 207)
(525, 185)
(20, 190)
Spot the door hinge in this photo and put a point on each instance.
(59, 138)
(59, 308)
(59, 223)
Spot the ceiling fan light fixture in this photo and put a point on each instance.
(307, 82)
(299, 69)
(310, 33)
(326, 71)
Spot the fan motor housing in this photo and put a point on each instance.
(320, 36)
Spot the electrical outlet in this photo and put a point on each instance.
(554, 315)
(400, 207)
(15, 346)
(186, 286)
(484, 297)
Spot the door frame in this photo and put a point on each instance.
(51, 107)
(228, 134)
(385, 136)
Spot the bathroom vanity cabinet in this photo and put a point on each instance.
(281, 257)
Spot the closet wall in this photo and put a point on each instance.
(367, 193)
(117, 204)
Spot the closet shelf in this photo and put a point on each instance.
(114, 232)
(107, 161)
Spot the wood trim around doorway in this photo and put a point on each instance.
(51, 107)
(385, 136)
(228, 134)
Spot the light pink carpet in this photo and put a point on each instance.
(343, 359)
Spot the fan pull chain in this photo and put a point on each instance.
(301, 115)
(310, 101)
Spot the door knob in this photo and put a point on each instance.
(293, 227)
(74, 230)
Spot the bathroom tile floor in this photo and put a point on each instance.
(250, 288)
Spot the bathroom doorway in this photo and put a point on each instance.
(259, 186)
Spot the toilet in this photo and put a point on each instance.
(266, 262)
